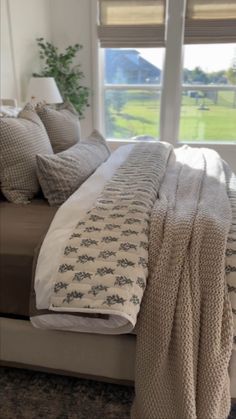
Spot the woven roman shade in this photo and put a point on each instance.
(210, 21)
(131, 23)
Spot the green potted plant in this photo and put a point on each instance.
(68, 76)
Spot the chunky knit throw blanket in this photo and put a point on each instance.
(185, 327)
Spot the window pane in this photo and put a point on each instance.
(208, 111)
(131, 111)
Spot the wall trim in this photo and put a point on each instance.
(12, 50)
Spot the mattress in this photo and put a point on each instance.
(22, 229)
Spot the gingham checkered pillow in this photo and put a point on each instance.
(62, 125)
(21, 139)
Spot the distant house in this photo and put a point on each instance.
(128, 66)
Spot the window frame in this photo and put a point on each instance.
(171, 88)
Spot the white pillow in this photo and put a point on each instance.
(10, 111)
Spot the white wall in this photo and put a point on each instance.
(64, 22)
(71, 24)
(22, 21)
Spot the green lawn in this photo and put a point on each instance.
(141, 111)
(138, 116)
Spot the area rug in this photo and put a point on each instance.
(32, 395)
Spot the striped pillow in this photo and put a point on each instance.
(63, 126)
(21, 139)
(61, 174)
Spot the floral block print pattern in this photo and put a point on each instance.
(104, 267)
(231, 251)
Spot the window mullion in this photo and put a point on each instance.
(97, 72)
(171, 83)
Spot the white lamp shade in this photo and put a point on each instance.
(43, 89)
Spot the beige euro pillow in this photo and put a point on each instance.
(61, 174)
(62, 125)
(21, 139)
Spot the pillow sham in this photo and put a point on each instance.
(10, 111)
(62, 125)
(21, 138)
(61, 174)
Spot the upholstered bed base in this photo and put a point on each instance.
(103, 357)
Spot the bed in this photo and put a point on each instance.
(22, 229)
(48, 346)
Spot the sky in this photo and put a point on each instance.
(208, 57)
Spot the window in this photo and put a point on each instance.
(208, 102)
(132, 89)
(208, 106)
(190, 101)
(132, 35)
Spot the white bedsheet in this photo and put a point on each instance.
(63, 223)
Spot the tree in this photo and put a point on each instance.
(231, 75)
(217, 77)
(118, 100)
(67, 75)
(118, 97)
(187, 76)
(199, 76)
(109, 119)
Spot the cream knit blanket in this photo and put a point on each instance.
(185, 327)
